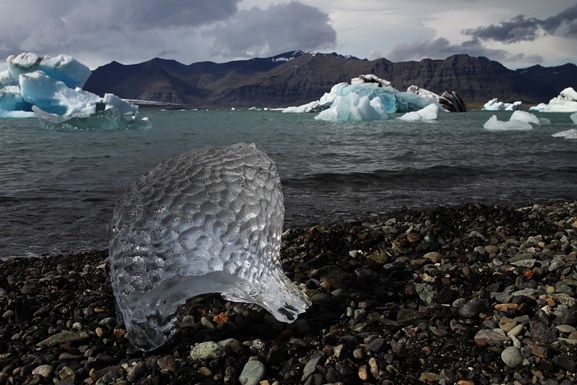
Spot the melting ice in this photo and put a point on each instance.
(366, 98)
(496, 105)
(50, 89)
(566, 101)
(519, 120)
(208, 221)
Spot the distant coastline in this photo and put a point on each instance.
(296, 77)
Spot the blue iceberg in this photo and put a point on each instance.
(367, 98)
(50, 88)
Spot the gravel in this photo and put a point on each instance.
(463, 295)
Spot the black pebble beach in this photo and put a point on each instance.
(463, 295)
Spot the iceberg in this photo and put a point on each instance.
(567, 134)
(53, 96)
(365, 98)
(50, 89)
(496, 105)
(11, 100)
(519, 120)
(352, 107)
(566, 101)
(62, 67)
(208, 221)
(427, 113)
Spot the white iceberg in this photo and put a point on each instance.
(208, 221)
(352, 107)
(11, 100)
(566, 101)
(519, 120)
(525, 116)
(427, 113)
(16, 114)
(496, 105)
(53, 96)
(573, 117)
(567, 134)
(50, 88)
(6, 79)
(366, 98)
(62, 67)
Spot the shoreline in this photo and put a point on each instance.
(468, 294)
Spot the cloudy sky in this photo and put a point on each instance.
(518, 33)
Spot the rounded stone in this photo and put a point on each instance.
(252, 372)
(512, 357)
(44, 371)
(8, 314)
(206, 351)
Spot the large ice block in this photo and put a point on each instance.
(208, 221)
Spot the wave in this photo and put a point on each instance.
(438, 173)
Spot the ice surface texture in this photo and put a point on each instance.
(208, 221)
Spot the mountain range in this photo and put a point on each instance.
(296, 78)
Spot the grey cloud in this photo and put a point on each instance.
(150, 14)
(279, 28)
(521, 28)
(440, 48)
(92, 27)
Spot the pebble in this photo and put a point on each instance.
(512, 357)
(207, 350)
(65, 336)
(311, 365)
(66, 374)
(252, 372)
(408, 316)
(490, 337)
(44, 371)
(516, 330)
(470, 309)
(422, 289)
(506, 323)
(567, 329)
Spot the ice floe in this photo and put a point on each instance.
(50, 88)
(427, 113)
(519, 120)
(496, 105)
(566, 101)
(366, 97)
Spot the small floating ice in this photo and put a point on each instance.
(208, 221)
(519, 120)
(567, 134)
(427, 113)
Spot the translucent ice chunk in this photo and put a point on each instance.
(208, 221)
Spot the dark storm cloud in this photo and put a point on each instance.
(279, 28)
(72, 26)
(137, 30)
(149, 14)
(522, 28)
(440, 48)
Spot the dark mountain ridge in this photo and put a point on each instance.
(295, 78)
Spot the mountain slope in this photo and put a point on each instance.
(296, 78)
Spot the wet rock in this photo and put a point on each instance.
(64, 336)
(44, 371)
(311, 365)
(565, 363)
(206, 351)
(408, 316)
(252, 372)
(470, 309)
(512, 357)
(489, 337)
